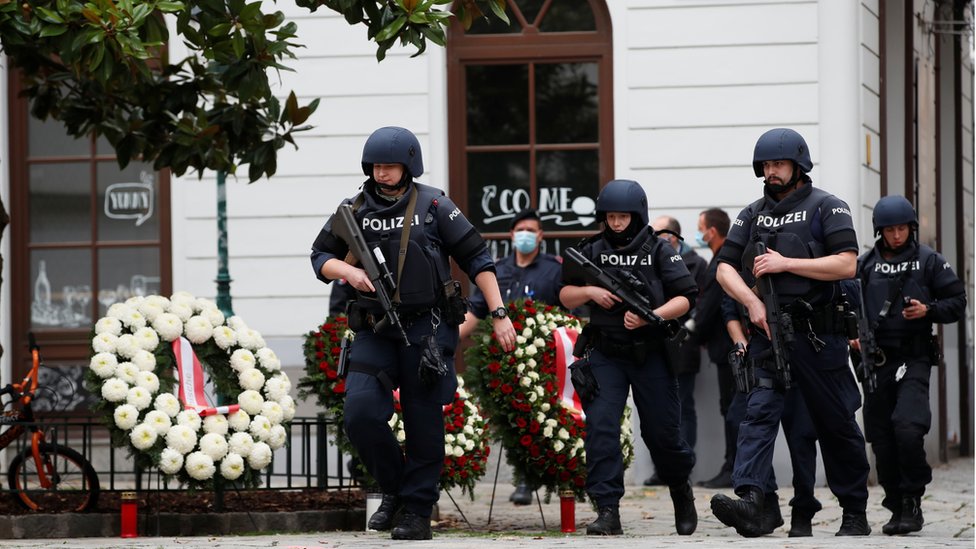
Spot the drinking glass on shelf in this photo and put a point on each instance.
(107, 298)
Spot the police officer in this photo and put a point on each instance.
(390, 203)
(811, 244)
(688, 367)
(627, 354)
(907, 287)
(526, 273)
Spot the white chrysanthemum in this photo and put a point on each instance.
(114, 389)
(108, 325)
(134, 301)
(147, 380)
(159, 421)
(126, 346)
(143, 436)
(276, 388)
(190, 418)
(273, 411)
(251, 402)
(260, 456)
(150, 310)
(170, 461)
(181, 438)
(138, 397)
(133, 319)
(182, 297)
(198, 329)
(183, 312)
(269, 360)
(232, 466)
(558, 446)
(278, 437)
(103, 364)
(168, 326)
(200, 466)
(117, 310)
(224, 337)
(126, 416)
(249, 339)
(126, 371)
(216, 424)
(251, 380)
(214, 445)
(213, 316)
(242, 360)
(236, 323)
(203, 304)
(241, 443)
(144, 360)
(282, 378)
(167, 403)
(104, 343)
(240, 421)
(147, 339)
(287, 408)
(260, 428)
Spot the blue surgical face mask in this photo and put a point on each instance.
(700, 239)
(524, 241)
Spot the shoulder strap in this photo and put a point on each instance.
(405, 238)
(894, 290)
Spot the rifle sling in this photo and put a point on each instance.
(404, 235)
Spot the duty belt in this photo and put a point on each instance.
(824, 319)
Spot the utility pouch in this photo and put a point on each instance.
(432, 365)
(935, 350)
(585, 383)
(850, 325)
(583, 341)
(455, 304)
(342, 366)
(357, 318)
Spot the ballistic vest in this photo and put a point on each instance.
(881, 276)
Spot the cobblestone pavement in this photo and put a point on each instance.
(645, 512)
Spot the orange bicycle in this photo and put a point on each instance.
(45, 476)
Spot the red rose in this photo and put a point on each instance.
(494, 367)
(331, 374)
(535, 451)
(340, 387)
(526, 440)
(521, 422)
(534, 427)
(506, 388)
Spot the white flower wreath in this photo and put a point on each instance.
(132, 369)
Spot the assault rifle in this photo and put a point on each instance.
(627, 288)
(871, 356)
(344, 226)
(780, 325)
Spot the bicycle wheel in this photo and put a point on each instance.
(74, 483)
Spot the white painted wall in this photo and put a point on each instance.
(5, 335)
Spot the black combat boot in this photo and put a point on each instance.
(685, 515)
(800, 523)
(854, 524)
(384, 516)
(607, 522)
(772, 518)
(911, 515)
(411, 526)
(893, 526)
(722, 480)
(744, 514)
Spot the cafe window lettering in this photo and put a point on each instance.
(531, 118)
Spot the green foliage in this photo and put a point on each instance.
(102, 67)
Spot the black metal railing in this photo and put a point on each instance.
(308, 460)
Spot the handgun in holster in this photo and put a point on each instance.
(342, 367)
(743, 372)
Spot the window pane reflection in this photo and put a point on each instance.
(498, 187)
(566, 102)
(568, 15)
(127, 202)
(46, 138)
(60, 207)
(498, 104)
(568, 185)
(60, 286)
(126, 272)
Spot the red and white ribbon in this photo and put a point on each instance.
(191, 381)
(565, 340)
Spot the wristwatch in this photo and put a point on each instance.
(500, 312)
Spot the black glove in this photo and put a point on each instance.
(432, 366)
(581, 373)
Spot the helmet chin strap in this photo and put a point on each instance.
(794, 179)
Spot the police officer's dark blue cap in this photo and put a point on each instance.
(893, 210)
(393, 145)
(781, 144)
(527, 213)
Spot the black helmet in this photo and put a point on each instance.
(622, 195)
(781, 144)
(393, 145)
(893, 210)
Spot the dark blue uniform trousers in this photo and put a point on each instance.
(655, 394)
(414, 472)
(896, 418)
(825, 380)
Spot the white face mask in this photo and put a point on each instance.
(524, 241)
